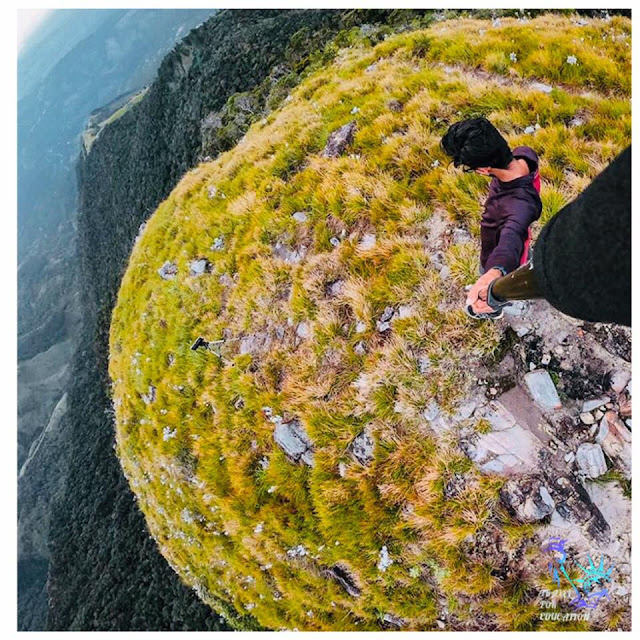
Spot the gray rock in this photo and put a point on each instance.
(594, 403)
(460, 236)
(404, 311)
(540, 86)
(424, 363)
(383, 326)
(361, 327)
(168, 271)
(384, 561)
(294, 441)
(432, 411)
(368, 242)
(345, 580)
(150, 397)
(618, 380)
(615, 439)
(438, 260)
(516, 308)
(213, 191)
(199, 267)
(445, 272)
(334, 241)
(542, 389)
(254, 343)
(371, 68)
(360, 348)
(303, 330)
(299, 216)
(527, 499)
(218, 244)
(394, 621)
(363, 447)
(387, 314)
(335, 288)
(395, 106)
(591, 460)
(226, 280)
(508, 449)
(465, 410)
(289, 255)
(587, 418)
(339, 140)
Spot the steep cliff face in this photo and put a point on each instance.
(100, 547)
(78, 60)
(348, 450)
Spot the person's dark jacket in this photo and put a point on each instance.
(511, 207)
(582, 258)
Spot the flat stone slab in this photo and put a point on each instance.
(508, 449)
(294, 441)
(594, 403)
(615, 439)
(542, 390)
(590, 459)
(525, 411)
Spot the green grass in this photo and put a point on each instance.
(204, 491)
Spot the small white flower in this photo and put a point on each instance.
(529, 129)
(572, 60)
(385, 561)
(435, 163)
(354, 110)
(167, 434)
(259, 527)
(271, 489)
(513, 57)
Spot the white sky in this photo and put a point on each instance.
(28, 20)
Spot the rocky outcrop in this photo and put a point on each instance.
(345, 580)
(527, 498)
(615, 439)
(363, 447)
(168, 270)
(293, 440)
(339, 140)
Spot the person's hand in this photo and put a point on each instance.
(477, 295)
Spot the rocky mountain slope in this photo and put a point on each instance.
(355, 453)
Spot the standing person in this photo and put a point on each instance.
(512, 205)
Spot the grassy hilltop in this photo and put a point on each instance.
(300, 299)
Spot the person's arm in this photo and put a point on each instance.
(582, 258)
